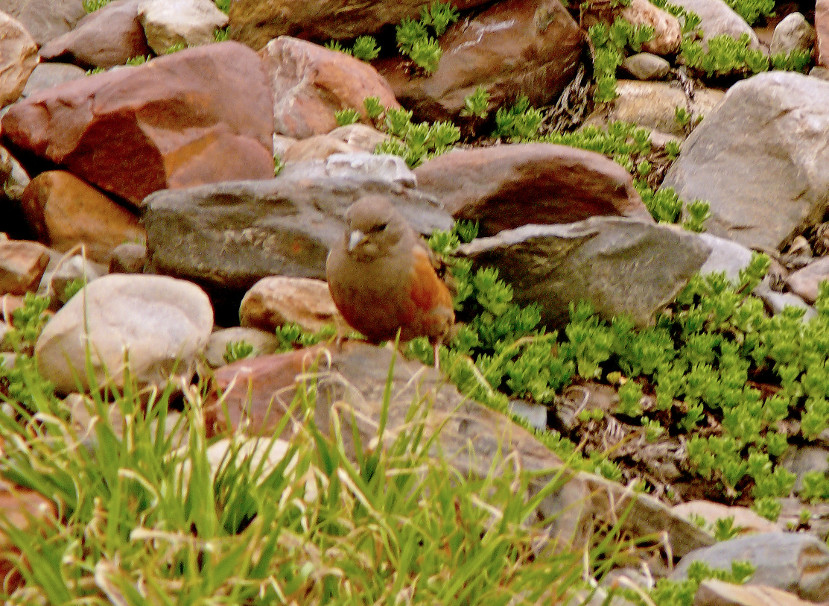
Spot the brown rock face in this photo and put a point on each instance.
(18, 57)
(104, 38)
(197, 116)
(507, 186)
(310, 83)
(22, 264)
(64, 211)
(255, 22)
(822, 31)
(516, 47)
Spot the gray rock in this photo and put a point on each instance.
(645, 66)
(128, 258)
(792, 33)
(619, 265)
(717, 18)
(47, 75)
(805, 282)
(798, 563)
(157, 324)
(46, 19)
(805, 459)
(227, 236)
(759, 159)
(63, 270)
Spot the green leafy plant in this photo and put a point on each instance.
(90, 6)
(520, 122)
(476, 104)
(724, 56)
(609, 44)
(374, 108)
(439, 16)
(752, 10)
(815, 487)
(346, 116)
(221, 34)
(672, 149)
(365, 48)
(138, 60)
(336, 45)
(237, 350)
(414, 39)
(426, 53)
(223, 5)
(278, 165)
(795, 61)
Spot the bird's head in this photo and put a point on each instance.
(374, 227)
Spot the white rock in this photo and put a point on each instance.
(792, 33)
(169, 22)
(156, 323)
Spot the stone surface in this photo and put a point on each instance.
(350, 384)
(355, 166)
(716, 18)
(47, 75)
(18, 58)
(64, 212)
(261, 341)
(822, 32)
(159, 324)
(745, 520)
(22, 264)
(713, 592)
(803, 460)
(514, 47)
(646, 66)
(619, 265)
(170, 22)
(256, 22)
(667, 30)
(45, 19)
(278, 300)
(318, 147)
(311, 82)
(792, 33)
(529, 183)
(798, 563)
(64, 270)
(359, 135)
(104, 38)
(128, 258)
(653, 105)
(175, 121)
(759, 160)
(228, 236)
(13, 179)
(806, 281)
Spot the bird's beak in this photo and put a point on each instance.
(354, 239)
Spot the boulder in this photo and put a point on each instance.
(310, 83)
(104, 38)
(759, 160)
(646, 66)
(22, 264)
(158, 325)
(619, 265)
(717, 18)
(822, 32)
(64, 212)
(170, 22)
(667, 32)
(175, 121)
(713, 592)
(47, 75)
(262, 343)
(792, 33)
(46, 19)
(512, 48)
(805, 282)
(18, 58)
(278, 300)
(529, 183)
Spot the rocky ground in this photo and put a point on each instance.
(163, 172)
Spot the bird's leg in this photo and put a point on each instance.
(436, 346)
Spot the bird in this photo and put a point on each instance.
(382, 277)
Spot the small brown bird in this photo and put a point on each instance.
(382, 279)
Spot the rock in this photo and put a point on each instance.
(819, 72)
(45, 19)
(256, 22)
(803, 460)
(228, 236)
(65, 212)
(261, 341)
(22, 264)
(759, 159)
(360, 166)
(170, 22)
(645, 66)
(619, 265)
(529, 183)
(822, 31)
(717, 18)
(792, 33)
(713, 592)
(104, 38)
(653, 105)
(667, 31)
(514, 47)
(47, 75)
(158, 324)
(128, 258)
(13, 178)
(798, 563)
(175, 121)
(805, 282)
(278, 300)
(61, 272)
(350, 384)
(18, 58)
(359, 135)
(311, 82)
(744, 519)
(318, 147)
(8, 305)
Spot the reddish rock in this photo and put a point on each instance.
(713, 592)
(45, 19)
(197, 116)
(667, 32)
(822, 31)
(278, 300)
(18, 57)
(515, 47)
(104, 38)
(22, 264)
(65, 211)
(805, 282)
(255, 22)
(311, 82)
(529, 183)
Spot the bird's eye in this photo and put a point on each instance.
(379, 227)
